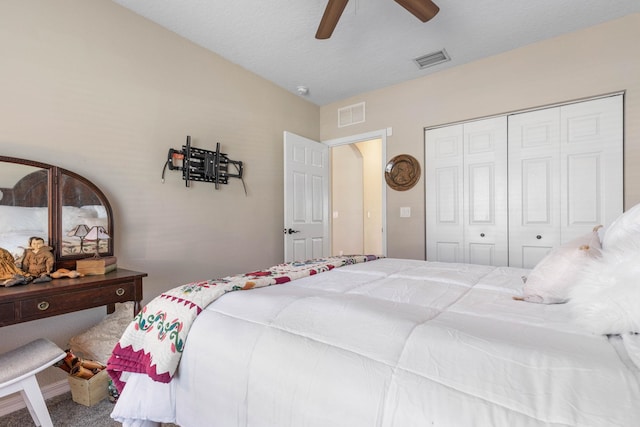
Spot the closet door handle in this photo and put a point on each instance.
(538, 237)
(481, 234)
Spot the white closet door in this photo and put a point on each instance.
(508, 197)
(591, 165)
(534, 180)
(444, 187)
(485, 192)
(565, 175)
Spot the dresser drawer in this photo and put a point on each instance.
(66, 302)
(7, 313)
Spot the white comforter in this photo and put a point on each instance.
(389, 343)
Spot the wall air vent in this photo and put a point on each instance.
(350, 115)
(431, 59)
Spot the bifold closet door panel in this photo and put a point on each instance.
(565, 175)
(591, 166)
(485, 192)
(466, 192)
(444, 194)
(534, 186)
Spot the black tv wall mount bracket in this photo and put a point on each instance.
(201, 165)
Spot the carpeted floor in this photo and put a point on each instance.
(67, 413)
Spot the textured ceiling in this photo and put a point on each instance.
(375, 41)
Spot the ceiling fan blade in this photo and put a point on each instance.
(330, 18)
(422, 9)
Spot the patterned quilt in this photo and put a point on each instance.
(153, 343)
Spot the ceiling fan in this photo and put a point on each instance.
(424, 10)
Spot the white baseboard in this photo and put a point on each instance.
(15, 402)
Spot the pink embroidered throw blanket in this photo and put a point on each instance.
(153, 343)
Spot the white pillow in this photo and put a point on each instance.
(73, 216)
(550, 280)
(101, 211)
(17, 218)
(606, 299)
(624, 230)
(97, 342)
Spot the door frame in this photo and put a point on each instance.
(352, 139)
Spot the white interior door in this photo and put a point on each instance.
(534, 186)
(557, 171)
(444, 193)
(565, 175)
(466, 192)
(485, 190)
(306, 198)
(591, 160)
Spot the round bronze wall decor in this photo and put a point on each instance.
(402, 172)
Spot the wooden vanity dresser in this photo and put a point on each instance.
(33, 301)
(60, 207)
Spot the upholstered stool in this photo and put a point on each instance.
(18, 373)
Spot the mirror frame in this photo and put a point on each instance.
(55, 195)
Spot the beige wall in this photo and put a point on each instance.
(372, 195)
(347, 186)
(356, 198)
(96, 89)
(598, 60)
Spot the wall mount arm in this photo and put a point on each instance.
(201, 165)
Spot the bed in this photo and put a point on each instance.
(396, 342)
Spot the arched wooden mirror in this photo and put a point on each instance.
(37, 199)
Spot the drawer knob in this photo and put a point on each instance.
(42, 306)
(120, 292)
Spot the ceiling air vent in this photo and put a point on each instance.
(431, 59)
(351, 114)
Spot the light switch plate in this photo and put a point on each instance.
(405, 212)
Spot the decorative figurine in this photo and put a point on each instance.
(38, 260)
(10, 274)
